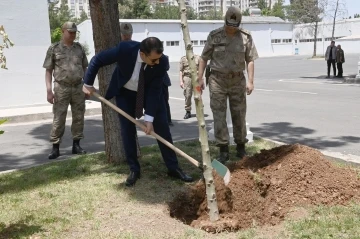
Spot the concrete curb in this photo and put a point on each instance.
(352, 80)
(40, 113)
(351, 160)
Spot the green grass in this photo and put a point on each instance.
(328, 222)
(84, 197)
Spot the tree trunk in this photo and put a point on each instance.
(209, 180)
(336, 10)
(315, 37)
(106, 29)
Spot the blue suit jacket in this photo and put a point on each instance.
(125, 55)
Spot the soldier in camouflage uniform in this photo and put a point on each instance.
(230, 49)
(68, 62)
(185, 82)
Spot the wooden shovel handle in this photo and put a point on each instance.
(142, 126)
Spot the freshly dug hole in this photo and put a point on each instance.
(265, 187)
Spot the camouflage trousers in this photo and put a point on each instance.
(65, 95)
(233, 89)
(188, 90)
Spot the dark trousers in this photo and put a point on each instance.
(340, 69)
(329, 63)
(166, 97)
(126, 101)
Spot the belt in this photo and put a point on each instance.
(68, 84)
(226, 75)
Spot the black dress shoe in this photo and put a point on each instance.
(171, 123)
(132, 178)
(178, 173)
(55, 153)
(76, 149)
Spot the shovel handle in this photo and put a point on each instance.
(142, 126)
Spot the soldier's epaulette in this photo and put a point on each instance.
(79, 44)
(245, 31)
(216, 31)
(54, 45)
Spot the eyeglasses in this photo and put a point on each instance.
(153, 60)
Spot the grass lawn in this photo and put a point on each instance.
(84, 197)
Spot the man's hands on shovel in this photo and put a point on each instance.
(88, 90)
(148, 127)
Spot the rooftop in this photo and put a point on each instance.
(245, 19)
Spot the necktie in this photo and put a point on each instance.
(140, 93)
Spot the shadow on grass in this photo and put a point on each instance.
(20, 229)
(153, 187)
(74, 168)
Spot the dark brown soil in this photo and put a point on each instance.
(264, 188)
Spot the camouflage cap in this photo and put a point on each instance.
(126, 28)
(70, 26)
(233, 17)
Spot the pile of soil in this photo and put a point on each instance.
(264, 188)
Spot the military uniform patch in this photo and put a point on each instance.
(217, 39)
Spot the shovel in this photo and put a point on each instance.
(220, 168)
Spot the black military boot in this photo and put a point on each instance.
(240, 150)
(55, 153)
(187, 115)
(224, 154)
(76, 149)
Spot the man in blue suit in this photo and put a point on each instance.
(137, 84)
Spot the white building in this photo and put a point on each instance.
(77, 7)
(27, 24)
(263, 30)
(204, 6)
(347, 34)
(246, 4)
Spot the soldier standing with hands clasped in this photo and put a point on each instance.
(67, 61)
(230, 49)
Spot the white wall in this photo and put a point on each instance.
(343, 28)
(170, 30)
(27, 24)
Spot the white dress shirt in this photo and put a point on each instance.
(132, 84)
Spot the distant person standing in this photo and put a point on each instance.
(330, 57)
(67, 61)
(185, 82)
(126, 31)
(340, 59)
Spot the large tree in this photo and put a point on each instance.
(106, 34)
(310, 12)
(278, 9)
(165, 11)
(336, 9)
(57, 17)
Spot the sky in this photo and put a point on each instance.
(353, 6)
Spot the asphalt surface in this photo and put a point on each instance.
(293, 102)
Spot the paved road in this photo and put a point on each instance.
(292, 103)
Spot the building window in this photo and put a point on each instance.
(275, 41)
(287, 40)
(202, 42)
(195, 43)
(172, 43)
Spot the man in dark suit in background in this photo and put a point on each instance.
(137, 84)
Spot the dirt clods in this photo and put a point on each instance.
(264, 188)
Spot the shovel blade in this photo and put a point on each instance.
(222, 170)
